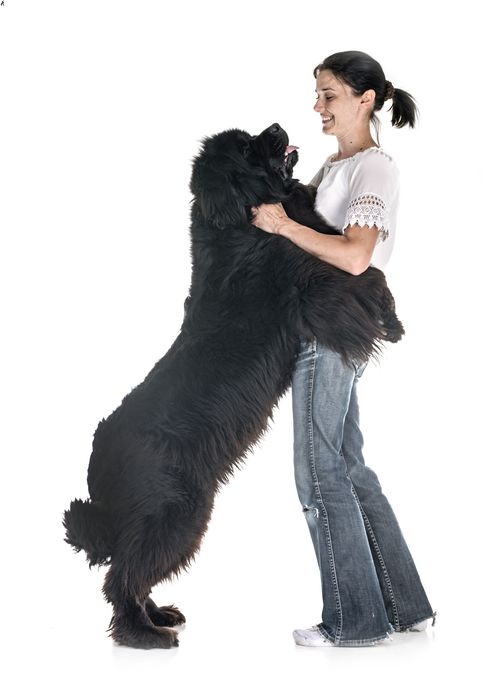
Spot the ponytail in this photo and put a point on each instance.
(404, 108)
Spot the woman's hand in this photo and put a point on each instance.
(269, 217)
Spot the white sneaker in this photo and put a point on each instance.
(419, 627)
(311, 637)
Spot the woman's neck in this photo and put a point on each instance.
(352, 144)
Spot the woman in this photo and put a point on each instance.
(370, 584)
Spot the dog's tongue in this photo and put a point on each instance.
(290, 148)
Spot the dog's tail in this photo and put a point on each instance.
(89, 527)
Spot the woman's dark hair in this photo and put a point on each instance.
(361, 72)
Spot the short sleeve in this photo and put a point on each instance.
(373, 187)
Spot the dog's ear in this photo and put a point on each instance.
(221, 203)
(215, 184)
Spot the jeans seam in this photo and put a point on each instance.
(326, 527)
(356, 642)
(379, 555)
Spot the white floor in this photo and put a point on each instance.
(254, 581)
(229, 643)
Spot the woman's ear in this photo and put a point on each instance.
(369, 97)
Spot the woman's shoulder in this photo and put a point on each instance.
(376, 159)
(379, 154)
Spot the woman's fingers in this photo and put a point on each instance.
(268, 216)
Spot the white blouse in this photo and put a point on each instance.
(363, 188)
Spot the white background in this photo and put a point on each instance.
(103, 106)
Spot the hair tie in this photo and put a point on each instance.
(389, 90)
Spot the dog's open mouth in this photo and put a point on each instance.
(290, 159)
(289, 149)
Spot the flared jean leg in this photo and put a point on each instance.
(404, 596)
(354, 612)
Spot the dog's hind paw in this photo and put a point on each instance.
(151, 638)
(164, 616)
(126, 633)
(172, 615)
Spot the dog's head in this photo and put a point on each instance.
(235, 171)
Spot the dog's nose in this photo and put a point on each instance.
(274, 128)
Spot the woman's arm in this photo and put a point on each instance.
(351, 252)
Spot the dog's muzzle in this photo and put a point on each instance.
(284, 153)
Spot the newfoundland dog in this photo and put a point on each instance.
(159, 459)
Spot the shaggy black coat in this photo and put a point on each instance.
(158, 460)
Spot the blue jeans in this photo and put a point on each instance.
(369, 581)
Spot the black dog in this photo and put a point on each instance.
(158, 460)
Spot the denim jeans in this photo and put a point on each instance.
(370, 584)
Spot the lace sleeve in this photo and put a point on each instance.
(370, 209)
(373, 188)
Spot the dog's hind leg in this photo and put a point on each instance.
(131, 624)
(164, 616)
(152, 549)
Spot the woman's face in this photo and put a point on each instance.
(341, 111)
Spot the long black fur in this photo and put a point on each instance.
(158, 460)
